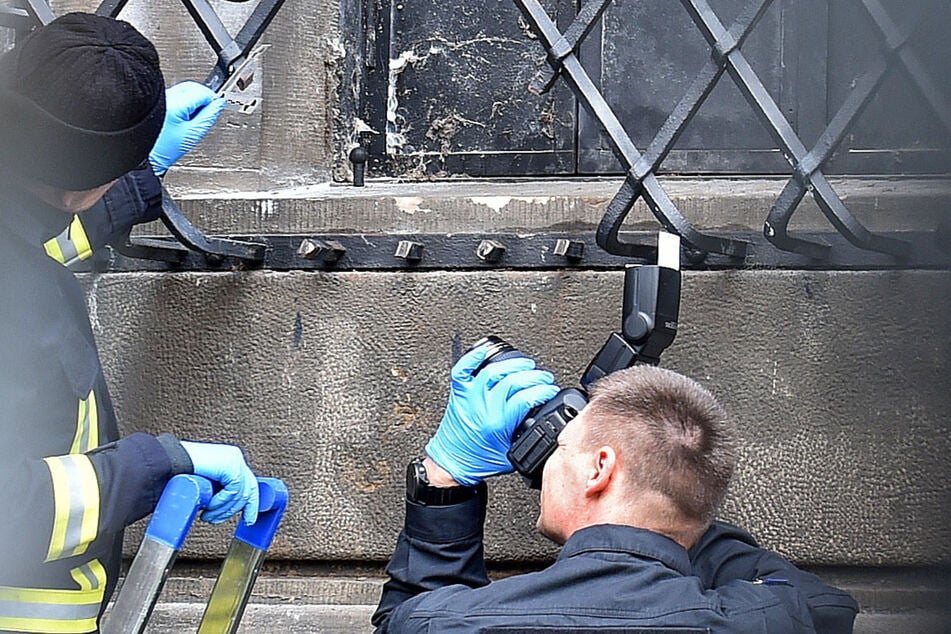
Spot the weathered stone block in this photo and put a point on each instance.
(334, 381)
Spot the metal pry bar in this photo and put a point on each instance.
(237, 89)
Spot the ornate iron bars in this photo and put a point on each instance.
(640, 179)
(234, 54)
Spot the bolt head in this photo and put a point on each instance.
(571, 249)
(308, 249)
(490, 250)
(409, 250)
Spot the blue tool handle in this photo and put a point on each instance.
(183, 497)
(273, 501)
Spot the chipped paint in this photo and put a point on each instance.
(495, 203)
(265, 209)
(410, 204)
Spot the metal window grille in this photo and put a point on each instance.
(727, 57)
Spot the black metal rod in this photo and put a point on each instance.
(111, 8)
(697, 93)
(777, 221)
(580, 28)
(215, 32)
(40, 10)
(776, 227)
(536, 251)
(795, 152)
(895, 42)
(246, 39)
(187, 234)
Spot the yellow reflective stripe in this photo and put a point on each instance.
(56, 611)
(71, 245)
(75, 503)
(53, 250)
(93, 412)
(87, 426)
(82, 425)
(77, 235)
(48, 626)
(91, 576)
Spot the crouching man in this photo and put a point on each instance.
(630, 494)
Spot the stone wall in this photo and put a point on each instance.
(333, 381)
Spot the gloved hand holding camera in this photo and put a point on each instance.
(485, 406)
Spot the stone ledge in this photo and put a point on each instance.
(902, 600)
(493, 205)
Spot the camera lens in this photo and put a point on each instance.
(498, 350)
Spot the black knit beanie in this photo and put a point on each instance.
(82, 101)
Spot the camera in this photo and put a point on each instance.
(649, 322)
(536, 437)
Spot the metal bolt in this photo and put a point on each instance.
(333, 251)
(329, 252)
(695, 256)
(490, 250)
(409, 250)
(308, 249)
(570, 249)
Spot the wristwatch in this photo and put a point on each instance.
(420, 491)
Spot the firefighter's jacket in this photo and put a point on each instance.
(70, 486)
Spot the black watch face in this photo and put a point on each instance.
(413, 481)
(419, 490)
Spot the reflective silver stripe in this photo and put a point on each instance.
(76, 505)
(66, 246)
(71, 245)
(87, 572)
(47, 610)
(55, 611)
(84, 439)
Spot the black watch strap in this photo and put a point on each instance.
(420, 491)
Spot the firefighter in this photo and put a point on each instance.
(82, 106)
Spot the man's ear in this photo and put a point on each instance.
(601, 471)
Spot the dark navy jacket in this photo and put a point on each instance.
(69, 485)
(607, 578)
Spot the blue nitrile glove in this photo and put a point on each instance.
(190, 111)
(225, 465)
(483, 412)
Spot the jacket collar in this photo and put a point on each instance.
(26, 216)
(627, 539)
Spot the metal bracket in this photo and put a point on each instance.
(480, 252)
